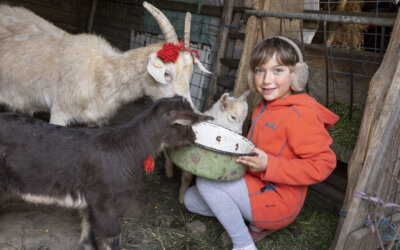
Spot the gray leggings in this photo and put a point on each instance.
(228, 201)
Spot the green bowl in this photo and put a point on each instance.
(206, 163)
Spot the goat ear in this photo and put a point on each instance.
(186, 118)
(224, 101)
(156, 68)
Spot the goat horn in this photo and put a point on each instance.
(188, 19)
(165, 25)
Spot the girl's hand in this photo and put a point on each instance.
(255, 163)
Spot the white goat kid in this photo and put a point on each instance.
(228, 112)
(82, 78)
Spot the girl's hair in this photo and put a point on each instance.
(263, 51)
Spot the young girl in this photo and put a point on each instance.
(292, 151)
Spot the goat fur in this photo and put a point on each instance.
(80, 78)
(94, 170)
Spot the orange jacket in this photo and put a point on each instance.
(293, 132)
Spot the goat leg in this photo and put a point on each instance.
(169, 166)
(106, 226)
(186, 178)
(113, 243)
(87, 235)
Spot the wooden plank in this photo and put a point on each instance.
(241, 85)
(56, 16)
(365, 66)
(342, 154)
(134, 24)
(329, 191)
(207, 10)
(378, 129)
(230, 62)
(338, 179)
(91, 16)
(117, 37)
(233, 34)
(222, 40)
(226, 81)
(68, 6)
(356, 14)
(116, 9)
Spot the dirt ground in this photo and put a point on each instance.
(28, 226)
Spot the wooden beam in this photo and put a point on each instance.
(230, 62)
(207, 10)
(236, 35)
(329, 191)
(226, 82)
(356, 14)
(91, 16)
(55, 15)
(222, 39)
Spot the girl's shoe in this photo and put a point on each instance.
(252, 246)
(257, 234)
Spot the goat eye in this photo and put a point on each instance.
(166, 74)
(233, 118)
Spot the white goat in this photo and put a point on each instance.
(82, 78)
(228, 112)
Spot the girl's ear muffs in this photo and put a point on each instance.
(299, 77)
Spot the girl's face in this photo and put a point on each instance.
(272, 80)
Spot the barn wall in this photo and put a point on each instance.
(68, 15)
(340, 68)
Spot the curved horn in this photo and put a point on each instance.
(188, 19)
(165, 25)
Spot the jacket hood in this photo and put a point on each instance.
(327, 117)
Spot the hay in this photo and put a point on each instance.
(340, 33)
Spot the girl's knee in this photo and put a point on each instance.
(190, 198)
(195, 203)
(203, 183)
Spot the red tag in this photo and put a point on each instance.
(149, 164)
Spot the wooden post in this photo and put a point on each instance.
(91, 16)
(378, 129)
(226, 20)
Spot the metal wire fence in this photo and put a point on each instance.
(141, 29)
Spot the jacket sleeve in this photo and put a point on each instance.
(314, 161)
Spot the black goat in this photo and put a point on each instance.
(95, 170)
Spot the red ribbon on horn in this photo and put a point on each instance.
(170, 52)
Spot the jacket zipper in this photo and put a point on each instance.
(254, 122)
